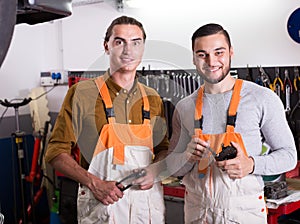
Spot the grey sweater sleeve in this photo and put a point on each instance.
(182, 131)
(277, 134)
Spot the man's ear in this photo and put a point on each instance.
(194, 59)
(231, 52)
(106, 47)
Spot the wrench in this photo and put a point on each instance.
(288, 90)
(133, 176)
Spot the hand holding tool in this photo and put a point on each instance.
(211, 151)
(228, 152)
(130, 178)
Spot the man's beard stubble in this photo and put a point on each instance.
(215, 81)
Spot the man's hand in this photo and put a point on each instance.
(196, 149)
(238, 167)
(105, 191)
(146, 182)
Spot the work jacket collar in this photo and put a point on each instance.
(115, 87)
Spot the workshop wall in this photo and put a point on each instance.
(258, 30)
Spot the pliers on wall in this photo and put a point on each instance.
(130, 178)
(277, 84)
(296, 83)
(296, 79)
(287, 81)
(264, 78)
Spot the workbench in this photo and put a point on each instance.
(287, 208)
(178, 192)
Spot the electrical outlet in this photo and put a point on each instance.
(46, 79)
(59, 76)
(54, 77)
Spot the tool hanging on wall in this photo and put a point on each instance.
(288, 91)
(264, 78)
(166, 86)
(179, 78)
(296, 83)
(277, 84)
(258, 80)
(184, 85)
(296, 79)
(249, 74)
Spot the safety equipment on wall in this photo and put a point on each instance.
(293, 25)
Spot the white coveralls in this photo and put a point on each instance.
(211, 196)
(120, 149)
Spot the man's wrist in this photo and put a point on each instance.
(253, 165)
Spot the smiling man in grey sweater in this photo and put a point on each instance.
(234, 113)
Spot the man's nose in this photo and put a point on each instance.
(211, 59)
(126, 48)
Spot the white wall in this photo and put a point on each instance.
(257, 28)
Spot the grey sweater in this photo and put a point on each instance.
(260, 113)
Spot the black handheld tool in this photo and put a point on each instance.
(131, 177)
(228, 152)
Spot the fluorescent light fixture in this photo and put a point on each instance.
(150, 3)
(85, 2)
(135, 3)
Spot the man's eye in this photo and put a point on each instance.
(220, 53)
(137, 42)
(119, 42)
(201, 55)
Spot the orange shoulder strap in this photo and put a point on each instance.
(198, 112)
(234, 103)
(199, 103)
(146, 108)
(102, 87)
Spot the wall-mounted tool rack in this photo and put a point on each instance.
(173, 85)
